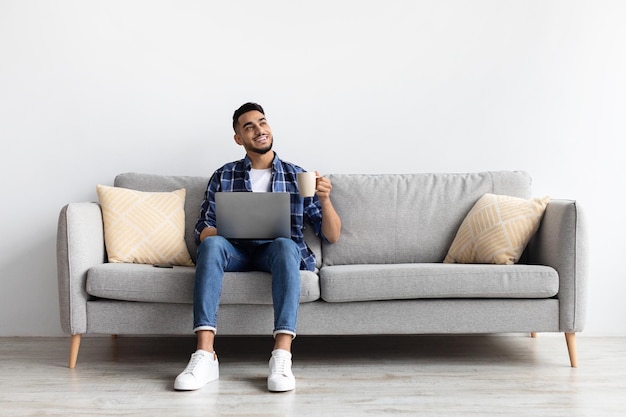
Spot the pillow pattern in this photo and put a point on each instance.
(144, 227)
(496, 230)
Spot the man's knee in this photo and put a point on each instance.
(286, 246)
(213, 241)
(286, 251)
(211, 246)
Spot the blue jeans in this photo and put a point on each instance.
(217, 255)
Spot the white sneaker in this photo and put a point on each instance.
(203, 368)
(281, 378)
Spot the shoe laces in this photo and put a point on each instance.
(280, 365)
(196, 359)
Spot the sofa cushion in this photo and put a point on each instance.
(135, 282)
(412, 281)
(496, 230)
(144, 227)
(195, 187)
(408, 218)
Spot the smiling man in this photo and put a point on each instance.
(262, 171)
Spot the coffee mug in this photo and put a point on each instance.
(307, 182)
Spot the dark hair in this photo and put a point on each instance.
(245, 108)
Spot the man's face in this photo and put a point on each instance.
(254, 133)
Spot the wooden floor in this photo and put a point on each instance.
(512, 375)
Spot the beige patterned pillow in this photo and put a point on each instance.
(496, 230)
(144, 227)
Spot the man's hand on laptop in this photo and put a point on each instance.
(206, 232)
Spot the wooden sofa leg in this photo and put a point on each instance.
(570, 339)
(533, 335)
(74, 346)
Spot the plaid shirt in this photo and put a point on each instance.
(235, 176)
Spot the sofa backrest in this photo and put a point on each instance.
(195, 188)
(408, 218)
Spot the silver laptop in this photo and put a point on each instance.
(253, 215)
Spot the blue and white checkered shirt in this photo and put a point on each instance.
(235, 176)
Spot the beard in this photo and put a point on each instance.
(263, 151)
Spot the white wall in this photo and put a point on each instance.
(90, 89)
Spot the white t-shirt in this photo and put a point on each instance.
(261, 179)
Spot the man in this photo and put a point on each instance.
(260, 170)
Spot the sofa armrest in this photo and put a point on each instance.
(561, 243)
(80, 245)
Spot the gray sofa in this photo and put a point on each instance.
(385, 275)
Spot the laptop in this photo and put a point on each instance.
(253, 215)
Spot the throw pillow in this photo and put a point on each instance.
(496, 230)
(144, 227)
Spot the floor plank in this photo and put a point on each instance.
(511, 375)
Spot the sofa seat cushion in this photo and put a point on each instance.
(344, 283)
(135, 282)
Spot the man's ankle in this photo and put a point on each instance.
(283, 341)
(205, 340)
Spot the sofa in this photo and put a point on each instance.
(385, 276)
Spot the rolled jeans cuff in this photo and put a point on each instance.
(282, 331)
(199, 328)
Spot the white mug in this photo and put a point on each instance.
(307, 182)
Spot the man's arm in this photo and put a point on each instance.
(205, 226)
(331, 223)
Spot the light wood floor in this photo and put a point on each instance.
(511, 375)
